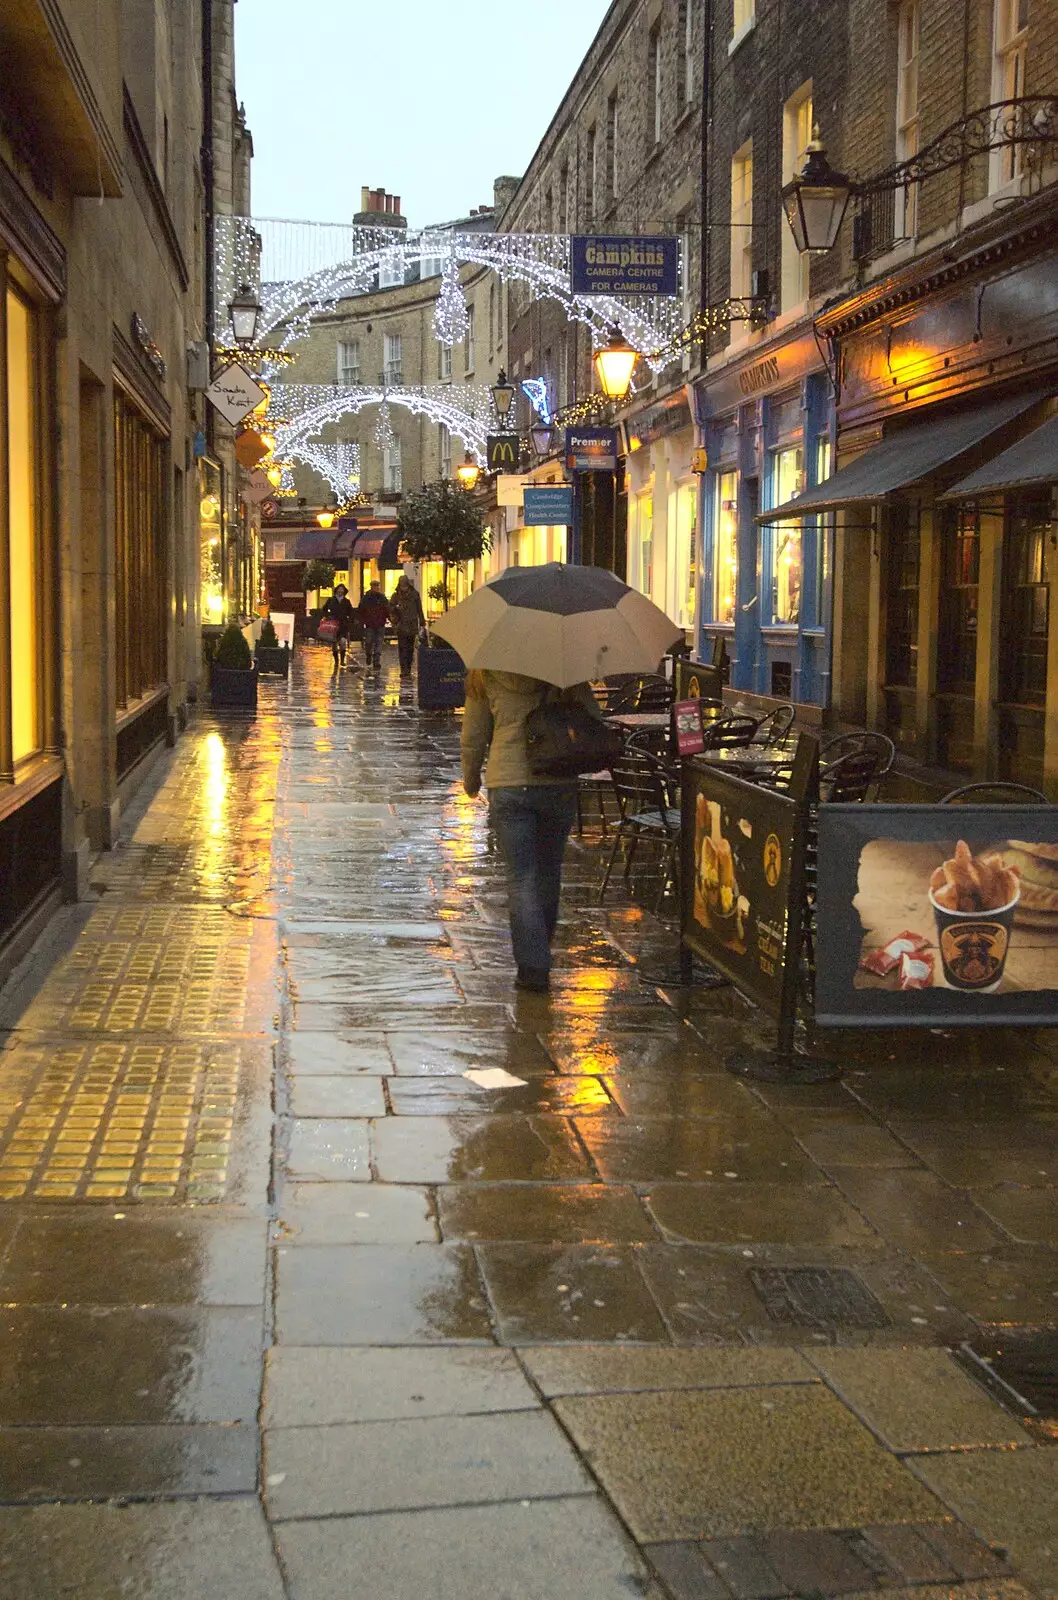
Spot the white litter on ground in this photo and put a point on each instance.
(494, 1078)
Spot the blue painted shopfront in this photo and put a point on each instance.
(768, 429)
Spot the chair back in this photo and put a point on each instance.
(730, 733)
(850, 744)
(995, 794)
(639, 783)
(773, 728)
(850, 778)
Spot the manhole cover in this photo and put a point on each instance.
(818, 1297)
(1021, 1365)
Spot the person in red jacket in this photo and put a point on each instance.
(374, 615)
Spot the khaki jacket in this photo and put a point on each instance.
(494, 729)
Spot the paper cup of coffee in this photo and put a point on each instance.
(974, 945)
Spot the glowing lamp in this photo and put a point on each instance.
(268, 440)
(543, 436)
(614, 364)
(468, 472)
(815, 203)
(325, 519)
(503, 396)
(274, 476)
(245, 313)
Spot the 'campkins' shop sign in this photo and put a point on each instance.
(624, 265)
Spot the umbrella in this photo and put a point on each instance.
(561, 624)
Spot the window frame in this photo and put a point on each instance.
(741, 231)
(1010, 34)
(393, 466)
(655, 78)
(469, 353)
(393, 369)
(345, 367)
(908, 103)
(725, 505)
(797, 119)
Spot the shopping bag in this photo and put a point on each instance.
(327, 630)
(565, 738)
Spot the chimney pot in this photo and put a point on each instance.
(396, 205)
(364, 198)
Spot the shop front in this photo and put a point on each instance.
(766, 418)
(944, 504)
(662, 490)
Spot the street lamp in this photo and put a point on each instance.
(543, 436)
(503, 396)
(816, 202)
(245, 313)
(274, 475)
(614, 364)
(468, 472)
(325, 520)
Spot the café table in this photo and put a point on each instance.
(642, 721)
(744, 760)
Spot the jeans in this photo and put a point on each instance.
(406, 652)
(373, 638)
(338, 649)
(532, 825)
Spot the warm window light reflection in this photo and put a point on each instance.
(788, 482)
(22, 470)
(725, 547)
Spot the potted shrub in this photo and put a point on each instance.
(442, 523)
(233, 675)
(271, 655)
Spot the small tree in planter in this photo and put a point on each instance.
(441, 522)
(271, 655)
(233, 676)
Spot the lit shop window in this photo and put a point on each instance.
(211, 532)
(683, 578)
(22, 432)
(787, 538)
(643, 569)
(725, 547)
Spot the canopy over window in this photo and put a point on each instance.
(316, 544)
(1031, 463)
(916, 452)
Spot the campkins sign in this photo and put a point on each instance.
(624, 265)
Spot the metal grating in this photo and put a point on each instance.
(818, 1297)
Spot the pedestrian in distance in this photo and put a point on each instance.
(341, 609)
(531, 815)
(375, 616)
(408, 619)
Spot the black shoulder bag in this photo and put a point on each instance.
(566, 738)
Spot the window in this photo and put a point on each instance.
(432, 260)
(906, 220)
(655, 78)
(549, 212)
(393, 347)
(391, 467)
(725, 547)
(825, 535)
(787, 538)
(349, 361)
(141, 566)
(903, 582)
(742, 221)
(1008, 79)
(1026, 602)
(745, 13)
(391, 268)
(444, 450)
(22, 419)
(563, 198)
(468, 342)
(683, 569)
(685, 76)
(796, 136)
(957, 638)
(445, 363)
(642, 575)
(492, 317)
(611, 149)
(589, 173)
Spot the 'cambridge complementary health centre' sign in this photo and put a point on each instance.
(624, 265)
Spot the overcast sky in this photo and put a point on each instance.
(429, 99)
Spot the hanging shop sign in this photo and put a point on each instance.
(742, 882)
(234, 393)
(694, 680)
(657, 422)
(621, 265)
(548, 505)
(503, 452)
(257, 490)
(591, 449)
(250, 448)
(510, 488)
(933, 915)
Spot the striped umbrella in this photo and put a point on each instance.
(561, 624)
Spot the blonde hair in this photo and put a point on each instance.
(475, 688)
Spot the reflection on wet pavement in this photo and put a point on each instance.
(233, 1115)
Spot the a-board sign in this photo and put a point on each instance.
(742, 883)
(937, 915)
(623, 264)
(695, 680)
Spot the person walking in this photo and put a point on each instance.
(374, 615)
(339, 606)
(531, 815)
(408, 619)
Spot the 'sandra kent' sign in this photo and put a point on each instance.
(625, 265)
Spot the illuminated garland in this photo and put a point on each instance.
(450, 317)
(383, 434)
(466, 412)
(535, 391)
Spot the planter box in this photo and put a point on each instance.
(275, 659)
(442, 680)
(233, 687)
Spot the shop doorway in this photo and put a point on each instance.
(903, 574)
(960, 531)
(1023, 639)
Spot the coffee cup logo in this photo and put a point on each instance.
(974, 954)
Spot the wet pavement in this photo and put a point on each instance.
(290, 1306)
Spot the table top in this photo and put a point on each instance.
(750, 755)
(634, 720)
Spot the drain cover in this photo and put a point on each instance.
(818, 1297)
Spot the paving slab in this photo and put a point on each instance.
(854, 1144)
(536, 1213)
(174, 1551)
(978, 1155)
(730, 1212)
(916, 1210)
(345, 1051)
(329, 1150)
(447, 1095)
(313, 1387)
(43, 1464)
(694, 1092)
(339, 1096)
(1008, 1498)
(605, 1369)
(687, 1573)
(547, 1292)
(749, 1146)
(549, 1548)
(379, 1294)
(1002, 1286)
(480, 1148)
(404, 1465)
(692, 1465)
(917, 1400)
(355, 1213)
(1029, 1216)
(433, 1053)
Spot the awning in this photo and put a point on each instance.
(344, 541)
(908, 457)
(389, 557)
(316, 544)
(368, 546)
(1031, 463)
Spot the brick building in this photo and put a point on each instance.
(108, 116)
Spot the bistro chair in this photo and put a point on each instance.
(730, 733)
(775, 727)
(851, 778)
(994, 794)
(648, 693)
(649, 814)
(854, 744)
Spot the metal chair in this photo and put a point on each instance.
(774, 728)
(994, 794)
(648, 693)
(730, 733)
(850, 744)
(648, 813)
(851, 778)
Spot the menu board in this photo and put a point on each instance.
(937, 914)
(742, 883)
(697, 680)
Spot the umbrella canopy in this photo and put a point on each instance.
(561, 624)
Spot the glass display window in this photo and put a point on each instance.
(725, 547)
(787, 542)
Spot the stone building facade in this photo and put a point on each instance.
(103, 286)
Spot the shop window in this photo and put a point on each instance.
(683, 564)
(796, 136)
(23, 430)
(1010, 35)
(903, 574)
(825, 525)
(742, 221)
(787, 553)
(141, 564)
(211, 529)
(725, 547)
(643, 545)
(957, 639)
(1025, 604)
(907, 126)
